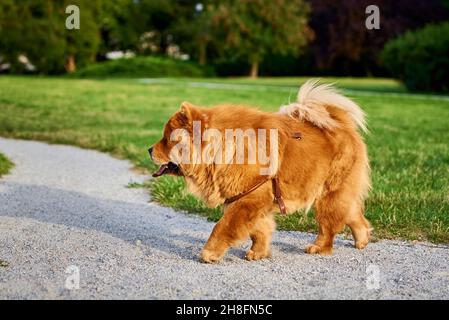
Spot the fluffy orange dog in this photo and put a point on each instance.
(320, 161)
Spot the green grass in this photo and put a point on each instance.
(142, 67)
(356, 84)
(5, 165)
(408, 144)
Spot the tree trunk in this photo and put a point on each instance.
(254, 69)
(202, 53)
(70, 64)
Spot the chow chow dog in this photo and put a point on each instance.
(318, 159)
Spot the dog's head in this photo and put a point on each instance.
(220, 150)
(179, 124)
(222, 139)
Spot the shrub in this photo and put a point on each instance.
(143, 67)
(420, 58)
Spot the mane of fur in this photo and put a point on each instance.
(311, 106)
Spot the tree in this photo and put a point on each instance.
(124, 22)
(10, 32)
(117, 27)
(192, 30)
(255, 28)
(156, 16)
(420, 58)
(344, 45)
(37, 30)
(81, 46)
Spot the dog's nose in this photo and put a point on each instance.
(150, 151)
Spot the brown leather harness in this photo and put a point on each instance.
(276, 192)
(274, 184)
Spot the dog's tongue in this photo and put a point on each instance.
(161, 170)
(168, 168)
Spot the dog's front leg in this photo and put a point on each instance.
(218, 243)
(241, 220)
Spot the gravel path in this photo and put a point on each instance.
(63, 207)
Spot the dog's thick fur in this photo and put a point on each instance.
(327, 169)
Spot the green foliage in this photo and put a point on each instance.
(125, 21)
(255, 28)
(193, 30)
(118, 27)
(83, 44)
(37, 29)
(5, 165)
(232, 35)
(143, 67)
(420, 58)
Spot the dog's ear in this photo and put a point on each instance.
(185, 116)
(188, 112)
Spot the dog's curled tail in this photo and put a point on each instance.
(313, 102)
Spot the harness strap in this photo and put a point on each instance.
(241, 195)
(276, 191)
(278, 195)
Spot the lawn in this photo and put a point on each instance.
(349, 84)
(408, 140)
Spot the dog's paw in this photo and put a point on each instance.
(315, 249)
(208, 256)
(254, 255)
(361, 244)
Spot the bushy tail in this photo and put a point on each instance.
(311, 106)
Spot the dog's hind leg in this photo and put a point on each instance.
(261, 235)
(330, 215)
(334, 211)
(360, 226)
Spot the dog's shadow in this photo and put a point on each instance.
(151, 227)
(288, 248)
